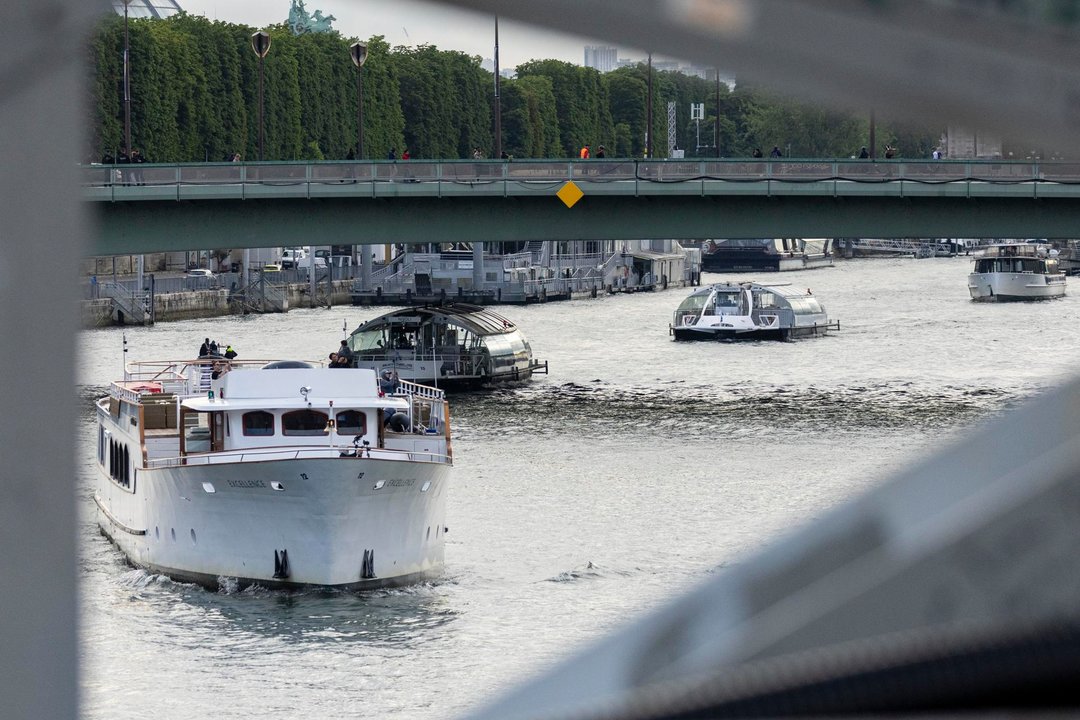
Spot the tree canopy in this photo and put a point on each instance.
(194, 97)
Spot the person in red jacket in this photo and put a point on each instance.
(585, 153)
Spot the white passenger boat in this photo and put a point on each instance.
(750, 310)
(280, 474)
(452, 345)
(1016, 271)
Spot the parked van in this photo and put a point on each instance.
(291, 257)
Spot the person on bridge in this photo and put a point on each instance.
(392, 155)
(600, 154)
(757, 153)
(405, 154)
(584, 152)
(775, 152)
(890, 152)
(864, 153)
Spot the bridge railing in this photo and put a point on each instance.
(472, 172)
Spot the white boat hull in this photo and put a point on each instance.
(341, 522)
(1015, 286)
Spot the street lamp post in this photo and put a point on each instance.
(260, 43)
(498, 101)
(358, 50)
(648, 115)
(127, 83)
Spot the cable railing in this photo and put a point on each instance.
(147, 180)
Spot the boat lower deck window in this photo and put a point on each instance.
(259, 423)
(351, 422)
(304, 422)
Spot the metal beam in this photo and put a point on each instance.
(144, 227)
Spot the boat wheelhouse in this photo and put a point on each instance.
(457, 344)
(729, 311)
(1016, 271)
(766, 254)
(281, 474)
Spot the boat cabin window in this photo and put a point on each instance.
(805, 305)
(259, 423)
(351, 422)
(368, 341)
(727, 300)
(693, 304)
(304, 422)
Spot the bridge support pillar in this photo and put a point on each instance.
(478, 267)
(365, 267)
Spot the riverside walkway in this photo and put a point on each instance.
(154, 207)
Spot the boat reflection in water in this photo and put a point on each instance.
(457, 344)
(728, 311)
(1016, 271)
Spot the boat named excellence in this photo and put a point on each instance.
(282, 474)
(1016, 271)
(732, 311)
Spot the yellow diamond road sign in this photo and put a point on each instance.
(570, 193)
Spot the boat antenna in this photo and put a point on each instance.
(123, 357)
(434, 360)
(345, 329)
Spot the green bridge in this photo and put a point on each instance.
(154, 207)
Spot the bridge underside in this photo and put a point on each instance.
(144, 227)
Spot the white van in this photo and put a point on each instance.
(292, 257)
(305, 262)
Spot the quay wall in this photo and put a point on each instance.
(208, 303)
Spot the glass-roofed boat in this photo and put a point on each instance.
(456, 344)
(750, 310)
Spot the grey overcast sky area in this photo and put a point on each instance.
(412, 22)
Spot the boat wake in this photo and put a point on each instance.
(691, 409)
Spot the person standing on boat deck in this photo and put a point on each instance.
(229, 352)
(204, 349)
(214, 348)
(345, 353)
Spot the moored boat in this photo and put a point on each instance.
(765, 254)
(281, 474)
(452, 345)
(750, 310)
(1016, 271)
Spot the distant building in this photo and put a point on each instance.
(960, 143)
(604, 59)
(147, 8)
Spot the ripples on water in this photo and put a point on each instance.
(638, 468)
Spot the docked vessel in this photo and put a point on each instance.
(281, 474)
(730, 311)
(451, 345)
(1016, 271)
(766, 255)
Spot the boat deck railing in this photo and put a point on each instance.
(306, 452)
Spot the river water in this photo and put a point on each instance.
(635, 470)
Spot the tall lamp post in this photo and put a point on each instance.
(648, 115)
(498, 102)
(260, 43)
(358, 50)
(127, 83)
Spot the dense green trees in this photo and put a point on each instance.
(194, 97)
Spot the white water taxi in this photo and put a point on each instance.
(750, 310)
(1016, 271)
(281, 474)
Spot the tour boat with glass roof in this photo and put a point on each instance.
(1016, 271)
(281, 474)
(452, 345)
(730, 311)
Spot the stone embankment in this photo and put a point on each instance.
(208, 303)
